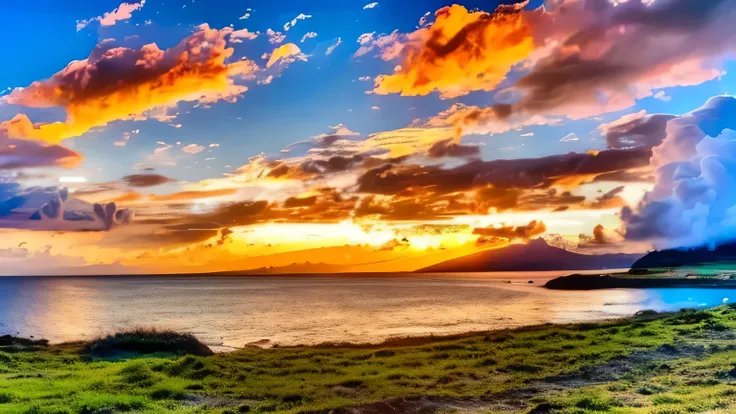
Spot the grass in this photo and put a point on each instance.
(682, 362)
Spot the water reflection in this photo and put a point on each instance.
(292, 310)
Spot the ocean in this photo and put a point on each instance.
(230, 312)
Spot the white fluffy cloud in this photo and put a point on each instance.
(308, 35)
(692, 202)
(122, 12)
(292, 23)
(193, 149)
(333, 46)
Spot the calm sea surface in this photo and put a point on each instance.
(234, 311)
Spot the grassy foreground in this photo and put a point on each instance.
(682, 362)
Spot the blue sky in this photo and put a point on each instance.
(468, 123)
(299, 104)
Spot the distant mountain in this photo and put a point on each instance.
(536, 255)
(687, 257)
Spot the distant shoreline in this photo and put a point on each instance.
(592, 282)
(520, 275)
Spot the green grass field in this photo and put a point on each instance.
(682, 362)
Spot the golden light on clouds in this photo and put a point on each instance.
(282, 52)
(93, 94)
(461, 52)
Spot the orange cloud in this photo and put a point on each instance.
(534, 228)
(116, 83)
(190, 195)
(283, 52)
(579, 58)
(461, 52)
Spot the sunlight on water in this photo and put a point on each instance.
(292, 310)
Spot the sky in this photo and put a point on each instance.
(204, 136)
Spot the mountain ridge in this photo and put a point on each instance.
(536, 255)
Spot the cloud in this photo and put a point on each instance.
(296, 202)
(529, 173)
(292, 23)
(331, 48)
(266, 81)
(389, 45)
(53, 209)
(376, 108)
(692, 202)
(461, 52)
(576, 58)
(194, 195)
(448, 148)
(366, 38)
(676, 43)
(308, 35)
(116, 83)
(193, 149)
(237, 35)
(370, 5)
(534, 228)
(145, 180)
(569, 137)
(122, 12)
(275, 37)
(20, 154)
(489, 120)
(662, 96)
(364, 78)
(636, 129)
(424, 20)
(602, 237)
(285, 54)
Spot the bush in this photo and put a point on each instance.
(593, 404)
(525, 368)
(167, 394)
(190, 367)
(7, 340)
(147, 341)
(690, 316)
(384, 353)
(137, 373)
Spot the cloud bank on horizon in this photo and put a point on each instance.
(200, 139)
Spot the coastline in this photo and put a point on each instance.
(649, 362)
(612, 281)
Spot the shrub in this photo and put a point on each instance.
(593, 404)
(690, 316)
(351, 383)
(137, 373)
(384, 353)
(5, 397)
(147, 341)
(7, 340)
(526, 368)
(190, 367)
(167, 394)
